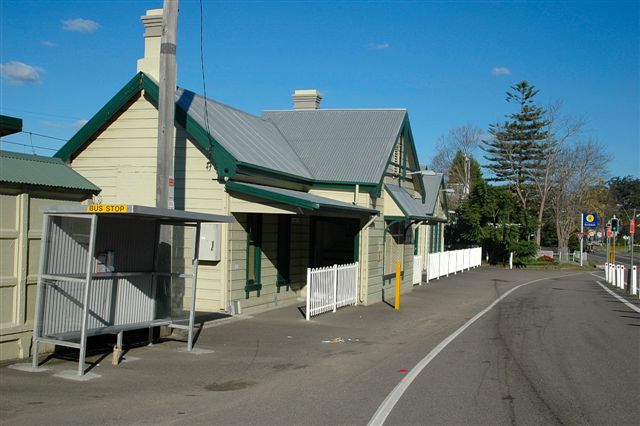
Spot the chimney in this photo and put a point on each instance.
(306, 99)
(150, 63)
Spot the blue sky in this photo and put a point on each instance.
(448, 62)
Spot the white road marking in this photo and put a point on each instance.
(622, 299)
(391, 400)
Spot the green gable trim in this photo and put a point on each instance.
(102, 117)
(405, 131)
(268, 195)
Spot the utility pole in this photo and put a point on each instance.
(166, 106)
(166, 118)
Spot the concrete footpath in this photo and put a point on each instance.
(272, 368)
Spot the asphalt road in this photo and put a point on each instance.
(559, 351)
(556, 352)
(623, 258)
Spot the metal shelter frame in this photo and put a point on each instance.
(71, 292)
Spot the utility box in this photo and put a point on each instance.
(210, 238)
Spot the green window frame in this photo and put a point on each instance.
(254, 254)
(284, 252)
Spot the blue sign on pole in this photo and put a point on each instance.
(590, 220)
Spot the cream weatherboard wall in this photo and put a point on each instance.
(20, 234)
(122, 161)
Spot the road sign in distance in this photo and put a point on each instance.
(590, 220)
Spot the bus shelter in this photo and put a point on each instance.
(105, 269)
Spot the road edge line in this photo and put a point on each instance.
(394, 396)
(620, 298)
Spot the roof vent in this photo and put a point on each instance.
(306, 99)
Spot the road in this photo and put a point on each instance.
(557, 349)
(622, 258)
(556, 352)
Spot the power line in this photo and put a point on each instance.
(26, 145)
(40, 113)
(44, 136)
(204, 83)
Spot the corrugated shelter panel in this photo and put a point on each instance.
(432, 186)
(112, 302)
(69, 235)
(128, 239)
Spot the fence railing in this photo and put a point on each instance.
(619, 276)
(451, 262)
(331, 287)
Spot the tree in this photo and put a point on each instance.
(560, 130)
(578, 187)
(454, 158)
(518, 147)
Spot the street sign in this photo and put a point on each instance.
(632, 226)
(590, 220)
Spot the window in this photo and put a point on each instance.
(254, 253)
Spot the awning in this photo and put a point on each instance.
(303, 200)
(412, 208)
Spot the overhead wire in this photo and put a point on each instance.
(204, 82)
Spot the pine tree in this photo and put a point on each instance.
(518, 147)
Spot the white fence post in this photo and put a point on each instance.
(308, 313)
(335, 287)
(357, 282)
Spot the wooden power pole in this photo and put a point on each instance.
(166, 106)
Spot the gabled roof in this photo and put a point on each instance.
(324, 147)
(414, 208)
(35, 170)
(341, 145)
(249, 139)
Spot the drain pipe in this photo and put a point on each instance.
(368, 224)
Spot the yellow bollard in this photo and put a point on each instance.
(397, 304)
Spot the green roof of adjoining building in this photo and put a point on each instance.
(36, 170)
(10, 125)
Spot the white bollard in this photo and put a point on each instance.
(618, 280)
(634, 280)
(606, 271)
(612, 275)
(623, 277)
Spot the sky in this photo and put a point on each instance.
(449, 63)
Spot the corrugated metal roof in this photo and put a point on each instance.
(412, 207)
(341, 145)
(36, 170)
(432, 186)
(248, 138)
(296, 198)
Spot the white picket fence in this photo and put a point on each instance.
(331, 287)
(619, 276)
(451, 262)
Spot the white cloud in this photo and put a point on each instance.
(78, 124)
(384, 45)
(19, 72)
(80, 25)
(498, 71)
(49, 43)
